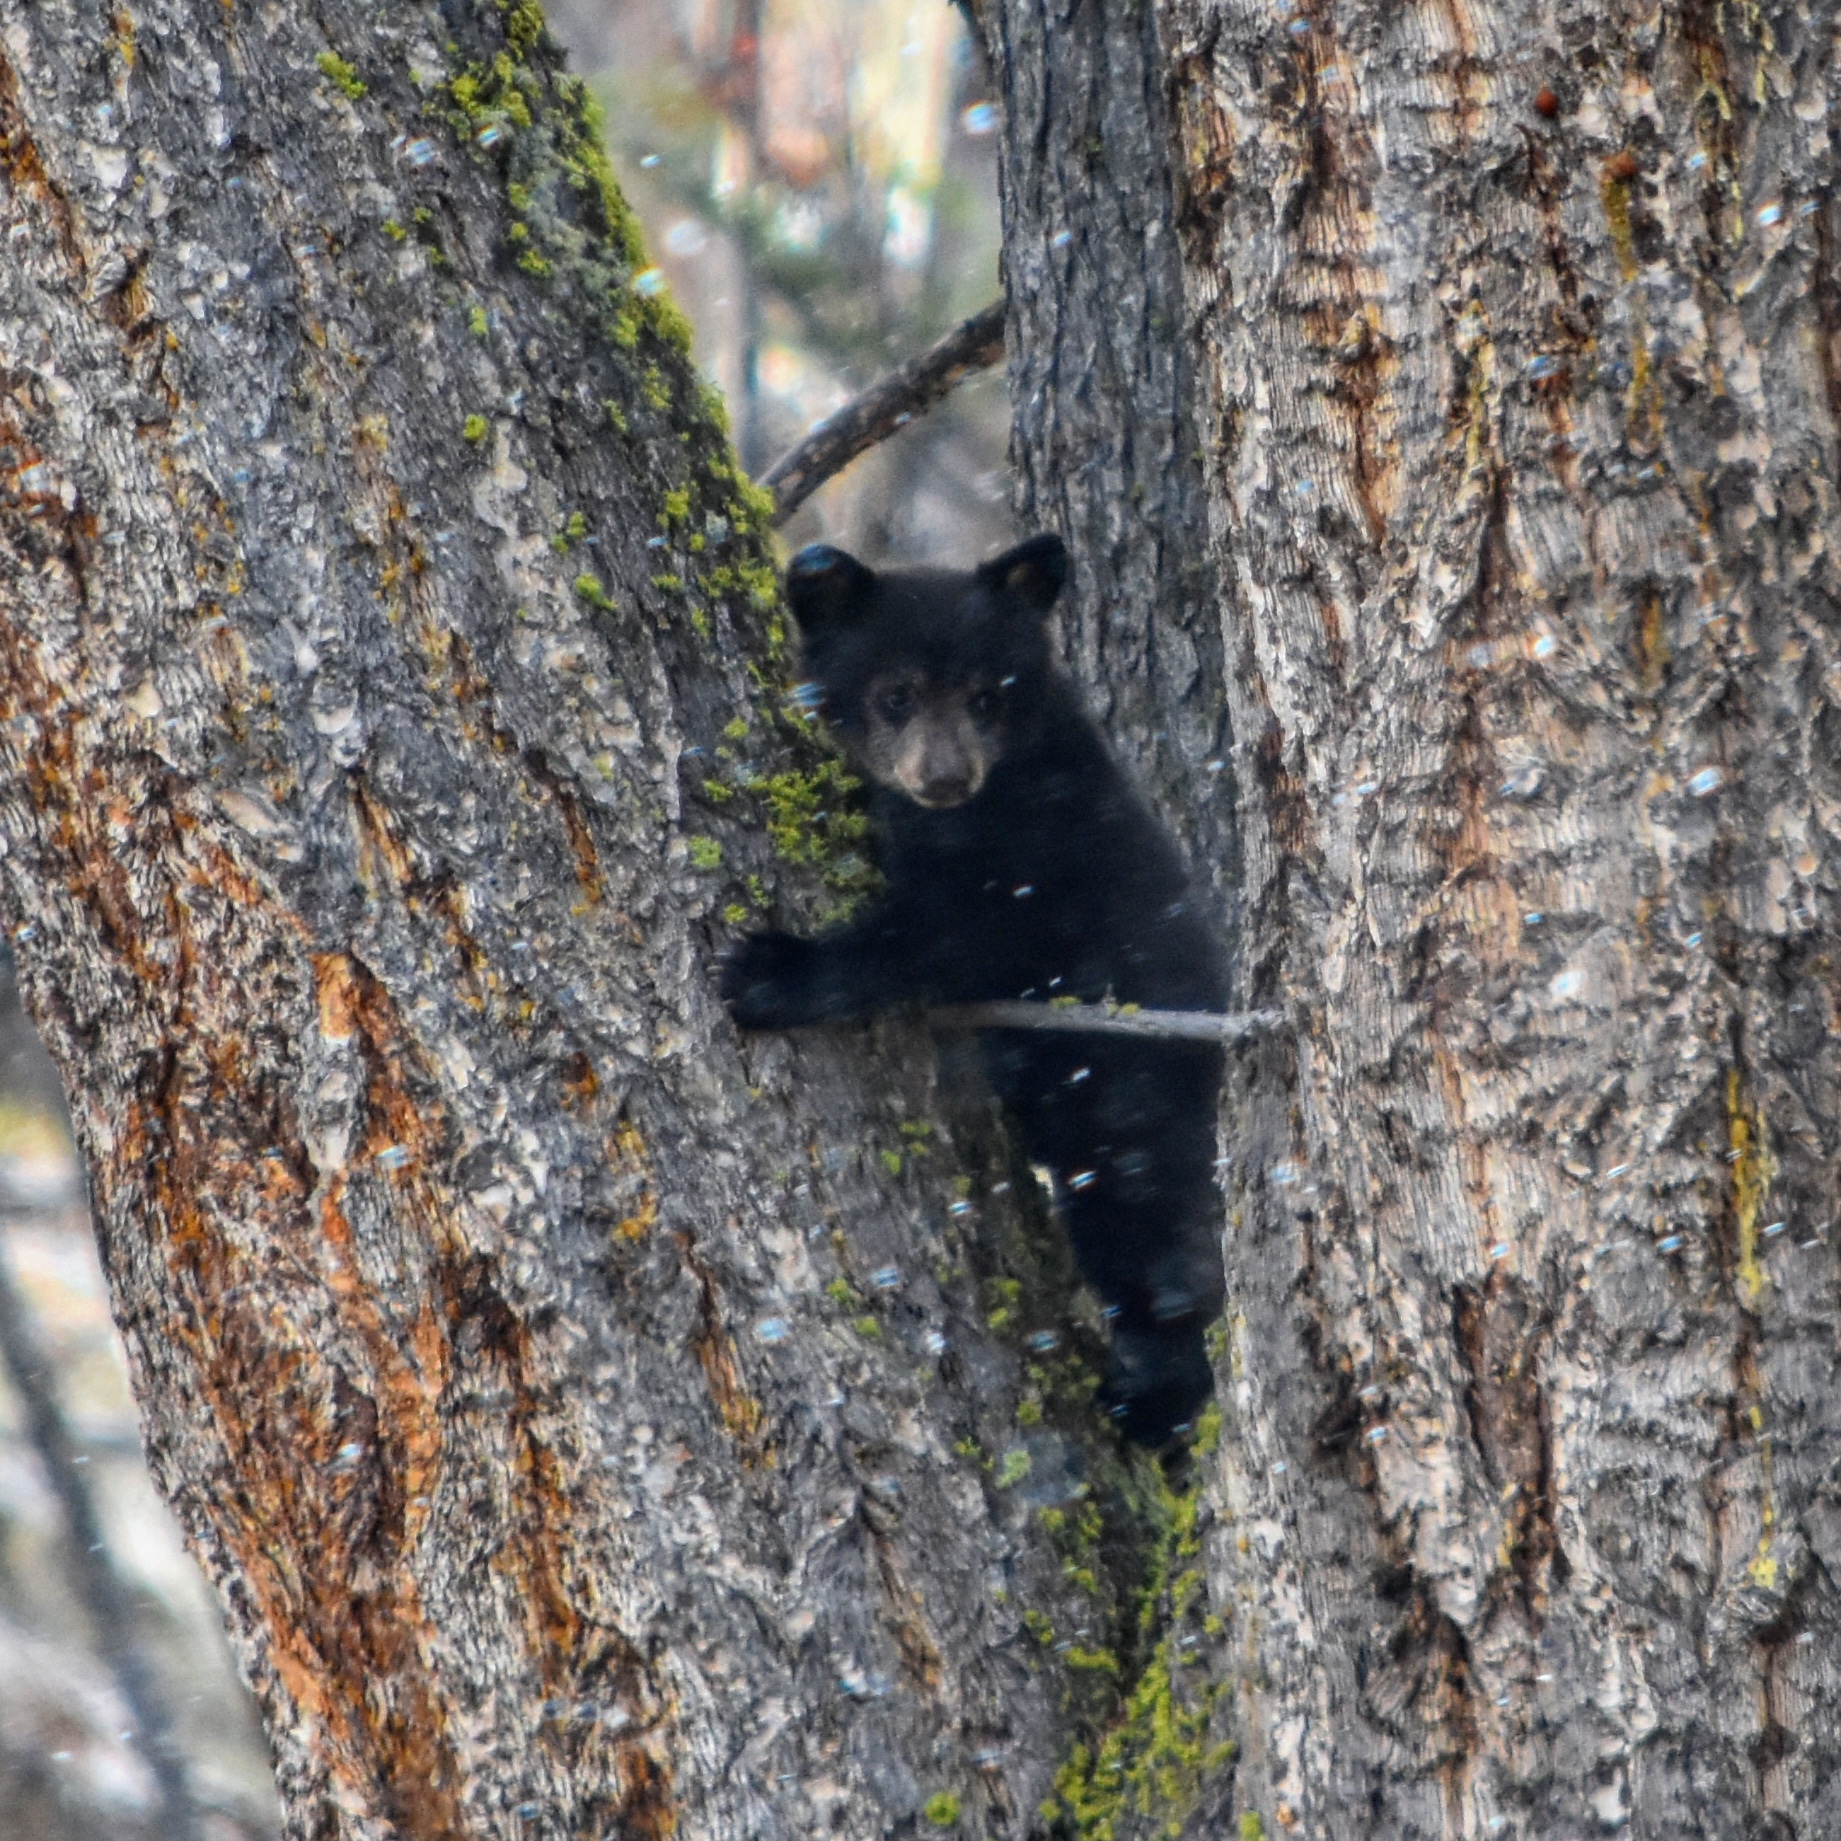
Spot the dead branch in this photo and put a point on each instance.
(1111, 1020)
(888, 404)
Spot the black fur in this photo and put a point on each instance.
(1052, 880)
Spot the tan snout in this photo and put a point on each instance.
(940, 759)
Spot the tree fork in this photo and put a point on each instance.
(500, 1324)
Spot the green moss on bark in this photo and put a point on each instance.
(1141, 1771)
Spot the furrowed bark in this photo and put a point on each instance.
(1515, 340)
(591, 1424)
(1516, 332)
(510, 1340)
(1104, 440)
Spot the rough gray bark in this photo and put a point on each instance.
(1516, 337)
(1105, 444)
(592, 1424)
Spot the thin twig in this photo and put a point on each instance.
(1110, 1020)
(97, 1581)
(888, 404)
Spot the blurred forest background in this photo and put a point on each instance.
(817, 182)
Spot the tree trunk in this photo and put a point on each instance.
(592, 1424)
(1516, 338)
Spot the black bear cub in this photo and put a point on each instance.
(1020, 865)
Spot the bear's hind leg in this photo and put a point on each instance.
(1159, 1378)
(1128, 1130)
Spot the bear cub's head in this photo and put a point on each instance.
(928, 676)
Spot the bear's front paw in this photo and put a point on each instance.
(766, 980)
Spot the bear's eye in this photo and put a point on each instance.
(896, 703)
(984, 704)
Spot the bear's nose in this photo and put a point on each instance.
(950, 773)
(940, 763)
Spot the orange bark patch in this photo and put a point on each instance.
(581, 840)
(1651, 642)
(1500, 1334)
(1294, 830)
(333, 1442)
(581, 1085)
(739, 1411)
(19, 159)
(379, 839)
(338, 996)
(607, 1708)
(1335, 292)
(477, 980)
(920, 1655)
(1207, 169)
(631, 1171)
(1368, 366)
(581, 844)
(334, 1439)
(352, 1002)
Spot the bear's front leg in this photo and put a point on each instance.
(769, 982)
(779, 981)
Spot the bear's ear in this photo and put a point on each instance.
(826, 587)
(1030, 576)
